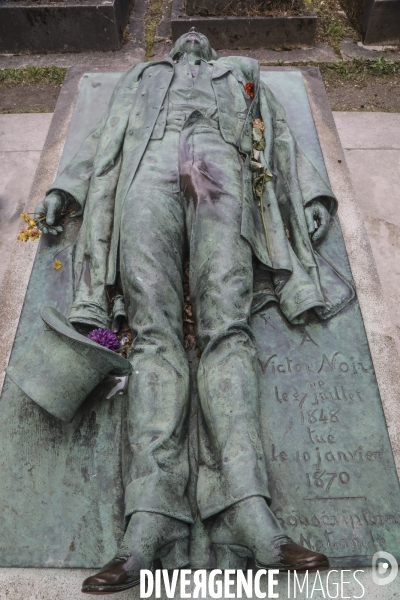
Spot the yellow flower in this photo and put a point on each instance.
(25, 217)
(32, 223)
(57, 264)
(258, 123)
(22, 236)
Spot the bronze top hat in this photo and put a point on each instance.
(62, 366)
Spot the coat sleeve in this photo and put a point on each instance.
(288, 160)
(75, 178)
(303, 281)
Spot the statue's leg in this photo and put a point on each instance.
(233, 483)
(156, 466)
(152, 251)
(232, 463)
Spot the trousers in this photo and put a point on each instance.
(186, 197)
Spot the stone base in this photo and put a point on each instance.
(245, 32)
(65, 584)
(62, 26)
(381, 22)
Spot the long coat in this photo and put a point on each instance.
(100, 174)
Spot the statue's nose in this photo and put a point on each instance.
(193, 30)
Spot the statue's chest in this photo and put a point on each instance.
(191, 88)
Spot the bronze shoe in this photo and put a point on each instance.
(249, 529)
(292, 557)
(149, 536)
(121, 573)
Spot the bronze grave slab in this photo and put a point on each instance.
(330, 463)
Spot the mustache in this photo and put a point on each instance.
(188, 36)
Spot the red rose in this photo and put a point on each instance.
(249, 89)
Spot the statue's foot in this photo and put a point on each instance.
(149, 536)
(289, 556)
(249, 528)
(121, 573)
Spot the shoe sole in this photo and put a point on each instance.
(94, 590)
(296, 567)
(99, 590)
(301, 566)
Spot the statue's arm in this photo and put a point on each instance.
(319, 202)
(72, 184)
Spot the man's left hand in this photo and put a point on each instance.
(318, 219)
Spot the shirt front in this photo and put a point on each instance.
(191, 89)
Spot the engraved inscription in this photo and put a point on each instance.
(337, 363)
(319, 401)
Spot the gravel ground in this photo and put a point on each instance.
(375, 95)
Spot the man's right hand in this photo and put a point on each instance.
(50, 207)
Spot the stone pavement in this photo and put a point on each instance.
(133, 51)
(65, 584)
(21, 141)
(371, 142)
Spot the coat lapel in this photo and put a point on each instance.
(228, 84)
(116, 121)
(149, 98)
(150, 95)
(236, 128)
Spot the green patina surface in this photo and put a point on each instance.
(330, 465)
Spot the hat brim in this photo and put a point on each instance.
(119, 365)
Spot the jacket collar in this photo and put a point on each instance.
(223, 66)
(167, 60)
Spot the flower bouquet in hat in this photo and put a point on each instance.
(62, 367)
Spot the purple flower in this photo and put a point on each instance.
(105, 338)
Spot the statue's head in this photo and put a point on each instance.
(194, 42)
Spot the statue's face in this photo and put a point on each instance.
(194, 42)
